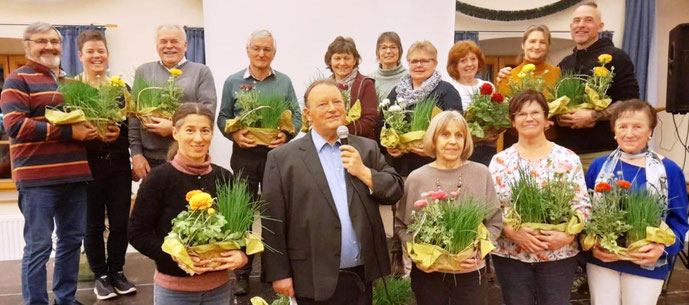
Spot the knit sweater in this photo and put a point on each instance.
(476, 182)
(42, 153)
(160, 198)
(199, 87)
(676, 214)
(386, 80)
(624, 86)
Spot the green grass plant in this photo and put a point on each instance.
(642, 210)
(421, 115)
(461, 222)
(398, 288)
(95, 103)
(235, 203)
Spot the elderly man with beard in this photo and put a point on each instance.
(149, 145)
(50, 168)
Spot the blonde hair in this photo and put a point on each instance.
(438, 124)
(425, 46)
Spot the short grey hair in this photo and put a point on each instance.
(261, 34)
(39, 27)
(172, 26)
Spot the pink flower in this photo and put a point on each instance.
(438, 195)
(454, 193)
(420, 203)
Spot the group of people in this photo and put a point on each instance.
(323, 192)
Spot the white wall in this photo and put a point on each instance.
(303, 30)
(131, 43)
(669, 14)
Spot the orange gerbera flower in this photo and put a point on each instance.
(624, 184)
(192, 193)
(603, 187)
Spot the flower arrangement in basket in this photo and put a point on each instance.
(352, 111)
(404, 129)
(527, 79)
(156, 100)
(545, 205)
(99, 106)
(573, 91)
(211, 226)
(487, 115)
(624, 220)
(447, 230)
(263, 115)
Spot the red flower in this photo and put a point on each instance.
(603, 187)
(486, 89)
(420, 203)
(246, 87)
(624, 184)
(497, 97)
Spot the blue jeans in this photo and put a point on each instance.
(62, 206)
(217, 296)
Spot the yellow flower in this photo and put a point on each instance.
(528, 68)
(175, 72)
(117, 82)
(192, 193)
(601, 71)
(211, 211)
(200, 201)
(521, 74)
(604, 58)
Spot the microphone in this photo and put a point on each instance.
(343, 134)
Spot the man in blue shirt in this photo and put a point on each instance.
(329, 238)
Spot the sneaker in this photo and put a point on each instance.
(242, 284)
(121, 284)
(103, 288)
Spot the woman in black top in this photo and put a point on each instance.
(162, 196)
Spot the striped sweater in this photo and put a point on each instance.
(42, 153)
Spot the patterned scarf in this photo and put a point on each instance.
(656, 178)
(349, 79)
(405, 90)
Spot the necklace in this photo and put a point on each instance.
(621, 173)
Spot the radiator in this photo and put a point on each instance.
(11, 237)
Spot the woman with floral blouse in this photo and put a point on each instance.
(535, 266)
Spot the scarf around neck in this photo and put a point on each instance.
(349, 79)
(189, 167)
(405, 89)
(656, 177)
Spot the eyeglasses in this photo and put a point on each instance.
(259, 49)
(422, 62)
(534, 115)
(43, 42)
(386, 48)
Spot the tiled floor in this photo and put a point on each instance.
(139, 270)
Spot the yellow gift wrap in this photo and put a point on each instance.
(177, 250)
(574, 226)
(427, 256)
(595, 100)
(662, 235)
(354, 112)
(263, 136)
(258, 301)
(558, 106)
(59, 117)
(407, 141)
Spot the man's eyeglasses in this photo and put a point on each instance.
(43, 42)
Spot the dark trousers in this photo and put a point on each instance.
(109, 191)
(351, 290)
(251, 164)
(438, 288)
(548, 283)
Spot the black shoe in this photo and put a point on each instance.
(74, 303)
(121, 284)
(103, 288)
(242, 284)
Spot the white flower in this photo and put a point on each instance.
(395, 108)
(386, 102)
(402, 102)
